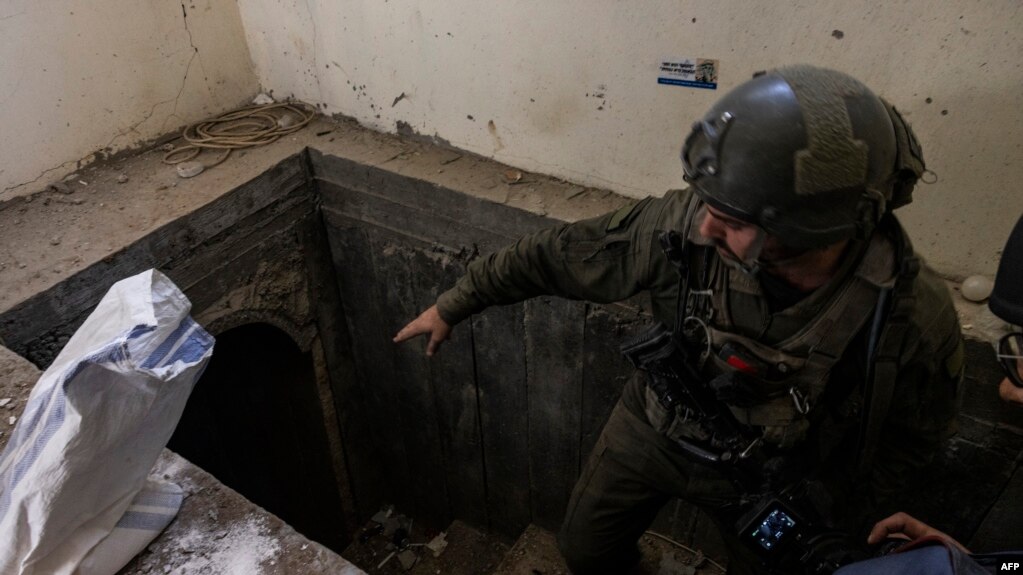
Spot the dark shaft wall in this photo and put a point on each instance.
(492, 430)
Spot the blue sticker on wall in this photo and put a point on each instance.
(689, 72)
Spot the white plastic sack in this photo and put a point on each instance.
(94, 425)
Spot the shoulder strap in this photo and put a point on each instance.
(676, 248)
(888, 331)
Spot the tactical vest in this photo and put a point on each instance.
(787, 377)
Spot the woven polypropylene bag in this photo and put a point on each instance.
(95, 423)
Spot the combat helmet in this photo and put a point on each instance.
(809, 154)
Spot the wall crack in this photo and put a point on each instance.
(133, 128)
(316, 54)
(41, 176)
(15, 15)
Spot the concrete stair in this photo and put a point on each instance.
(474, 552)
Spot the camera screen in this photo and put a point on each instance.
(773, 529)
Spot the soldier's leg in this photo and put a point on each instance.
(632, 472)
(613, 502)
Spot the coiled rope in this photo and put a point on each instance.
(247, 127)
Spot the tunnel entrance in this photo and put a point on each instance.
(254, 421)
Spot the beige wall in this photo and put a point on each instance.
(82, 77)
(569, 88)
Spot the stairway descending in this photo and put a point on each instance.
(470, 551)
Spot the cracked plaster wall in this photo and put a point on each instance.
(569, 88)
(77, 78)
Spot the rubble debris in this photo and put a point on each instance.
(512, 177)
(408, 559)
(438, 544)
(190, 169)
(382, 515)
(262, 99)
(395, 540)
(60, 188)
(391, 526)
(369, 532)
(122, 178)
(386, 559)
(12, 420)
(5, 401)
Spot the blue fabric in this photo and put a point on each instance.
(931, 560)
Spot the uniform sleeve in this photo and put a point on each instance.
(602, 259)
(920, 419)
(923, 410)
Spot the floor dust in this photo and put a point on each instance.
(67, 225)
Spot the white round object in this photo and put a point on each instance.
(977, 288)
(190, 169)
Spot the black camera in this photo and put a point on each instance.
(786, 530)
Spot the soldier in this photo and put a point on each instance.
(803, 308)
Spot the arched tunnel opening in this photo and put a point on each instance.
(254, 421)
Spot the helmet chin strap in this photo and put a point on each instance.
(752, 264)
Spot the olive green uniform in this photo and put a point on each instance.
(634, 468)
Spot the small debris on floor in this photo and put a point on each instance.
(408, 559)
(382, 515)
(262, 100)
(5, 401)
(190, 169)
(12, 420)
(512, 177)
(60, 188)
(122, 178)
(438, 544)
(393, 533)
